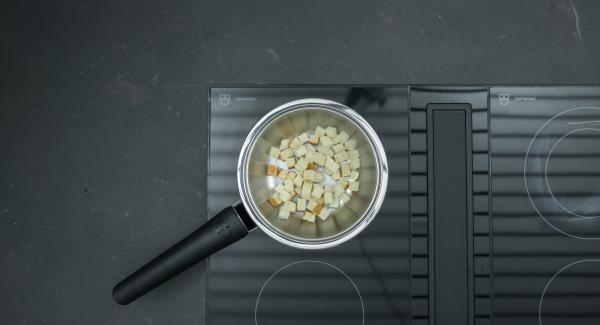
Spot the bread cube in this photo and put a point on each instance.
(285, 196)
(298, 180)
(303, 138)
(271, 170)
(319, 131)
(345, 184)
(328, 197)
(331, 132)
(289, 185)
(313, 139)
(280, 188)
(355, 163)
(325, 141)
(291, 206)
(324, 213)
(295, 143)
(345, 198)
(312, 166)
(284, 144)
(346, 170)
(301, 205)
(336, 175)
(350, 144)
(290, 176)
(274, 200)
(331, 165)
(354, 186)
(318, 177)
(283, 213)
(354, 175)
(285, 154)
(282, 173)
(339, 157)
(309, 175)
(306, 190)
(307, 216)
(338, 148)
(341, 137)
(338, 189)
(317, 191)
(300, 151)
(319, 159)
(302, 164)
(335, 203)
(353, 154)
(274, 152)
(310, 147)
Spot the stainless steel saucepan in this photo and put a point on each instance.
(233, 223)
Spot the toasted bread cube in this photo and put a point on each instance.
(303, 138)
(306, 190)
(307, 216)
(318, 207)
(274, 200)
(291, 206)
(285, 154)
(353, 154)
(354, 186)
(309, 175)
(319, 131)
(328, 197)
(336, 175)
(345, 184)
(280, 188)
(298, 180)
(302, 164)
(346, 170)
(291, 162)
(317, 191)
(318, 177)
(289, 185)
(301, 205)
(312, 166)
(311, 204)
(271, 170)
(350, 144)
(338, 189)
(300, 151)
(324, 213)
(283, 213)
(290, 176)
(339, 157)
(338, 148)
(295, 143)
(313, 139)
(341, 137)
(274, 152)
(355, 163)
(331, 132)
(282, 173)
(284, 144)
(354, 175)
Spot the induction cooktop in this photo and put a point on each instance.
(491, 216)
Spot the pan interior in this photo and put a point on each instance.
(262, 186)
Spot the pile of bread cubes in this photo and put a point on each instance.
(317, 172)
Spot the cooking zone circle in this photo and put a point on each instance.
(563, 302)
(304, 290)
(562, 172)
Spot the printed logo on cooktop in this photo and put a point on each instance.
(504, 99)
(224, 99)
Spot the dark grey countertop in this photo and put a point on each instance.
(103, 125)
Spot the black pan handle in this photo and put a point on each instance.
(227, 227)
